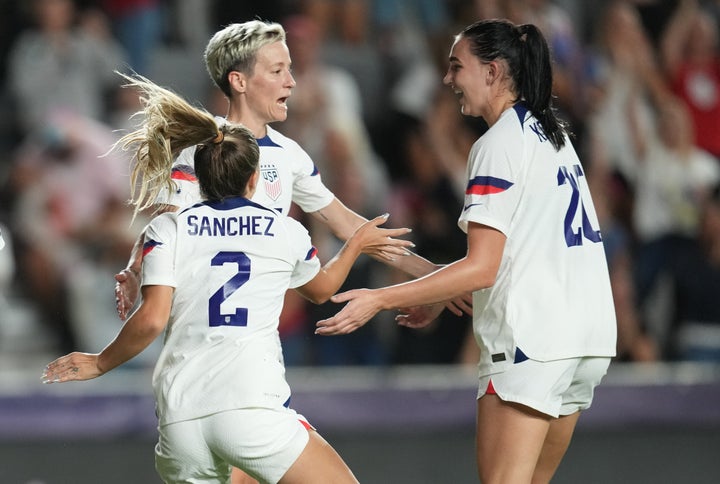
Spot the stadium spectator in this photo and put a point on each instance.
(65, 61)
(691, 59)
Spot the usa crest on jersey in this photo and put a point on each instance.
(271, 180)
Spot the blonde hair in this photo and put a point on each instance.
(170, 125)
(235, 48)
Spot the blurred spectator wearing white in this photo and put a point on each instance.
(65, 61)
(623, 95)
(674, 178)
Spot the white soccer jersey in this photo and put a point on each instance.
(287, 174)
(230, 264)
(552, 298)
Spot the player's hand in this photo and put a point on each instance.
(73, 367)
(460, 305)
(361, 307)
(127, 289)
(381, 243)
(419, 316)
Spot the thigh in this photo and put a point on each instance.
(319, 462)
(509, 440)
(182, 455)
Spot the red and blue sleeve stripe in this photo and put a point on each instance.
(183, 172)
(311, 253)
(487, 185)
(149, 245)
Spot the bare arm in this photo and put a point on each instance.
(146, 323)
(334, 273)
(477, 270)
(675, 35)
(343, 222)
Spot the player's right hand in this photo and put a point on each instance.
(127, 289)
(75, 366)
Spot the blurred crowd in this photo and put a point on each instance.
(637, 80)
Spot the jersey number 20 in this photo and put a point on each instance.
(239, 318)
(575, 237)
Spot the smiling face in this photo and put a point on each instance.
(266, 91)
(466, 76)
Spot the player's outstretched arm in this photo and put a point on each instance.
(334, 273)
(477, 270)
(146, 323)
(343, 222)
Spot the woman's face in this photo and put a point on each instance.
(466, 76)
(271, 83)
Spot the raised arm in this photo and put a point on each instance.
(675, 35)
(334, 273)
(343, 222)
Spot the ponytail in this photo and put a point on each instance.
(527, 55)
(535, 82)
(170, 125)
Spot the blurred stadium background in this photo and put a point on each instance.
(650, 423)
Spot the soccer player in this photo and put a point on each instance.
(213, 278)
(543, 312)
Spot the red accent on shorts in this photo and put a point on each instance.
(490, 389)
(306, 424)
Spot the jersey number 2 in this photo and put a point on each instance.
(575, 237)
(240, 317)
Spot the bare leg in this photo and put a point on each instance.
(509, 440)
(319, 462)
(239, 477)
(553, 450)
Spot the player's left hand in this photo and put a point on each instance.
(72, 367)
(127, 291)
(360, 308)
(419, 316)
(381, 242)
(460, 305)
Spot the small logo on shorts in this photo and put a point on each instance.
(498, 357)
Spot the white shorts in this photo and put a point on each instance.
(262, 442)
(559, 387)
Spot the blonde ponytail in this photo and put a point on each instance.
(170, 125)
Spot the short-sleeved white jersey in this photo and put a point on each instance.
(230, 263)
(287, 174)
(551, 298)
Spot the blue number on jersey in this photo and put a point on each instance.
(243, 274)
(572, 237)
